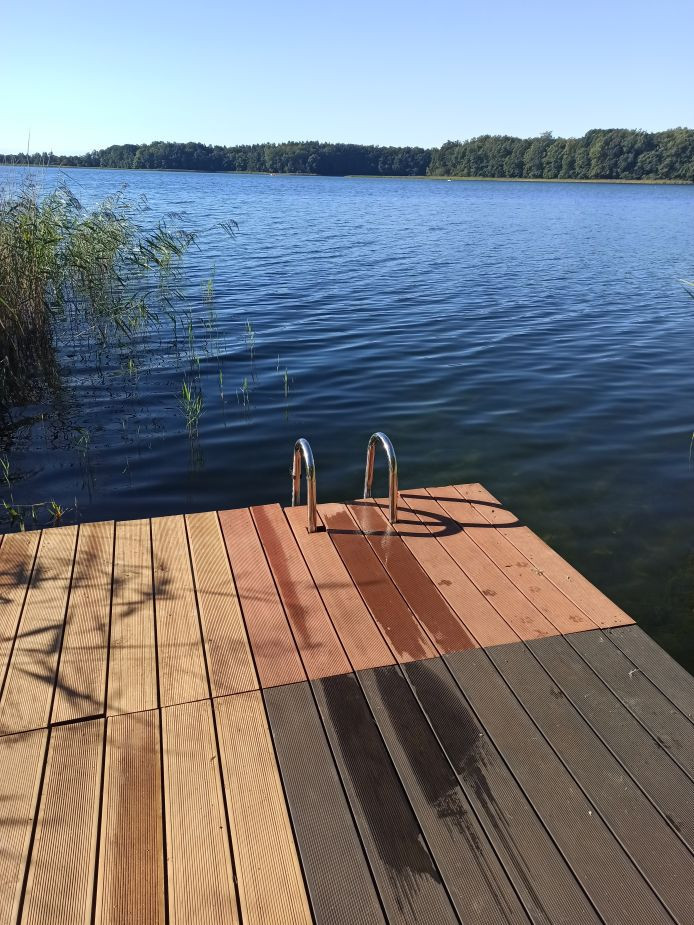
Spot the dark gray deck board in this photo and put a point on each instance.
(655, 663)
(477, 882)
(326, 837)
(616, 886)
(639, 753)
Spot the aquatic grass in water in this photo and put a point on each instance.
(191, 403)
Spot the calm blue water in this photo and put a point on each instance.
(534, 337)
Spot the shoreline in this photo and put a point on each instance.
(356, 176)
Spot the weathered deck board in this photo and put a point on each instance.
(199, 866)
(181, 661)
(406, 875)
(221, 717)
(655, 664)
(132, 672)
(21, 760)
(81, 684)
(652, 845)
(131, 861)
(261, 833)
(229, 657)
(30, 681)
(17, 556)
(605, 870)
(475, 879)
(644, 759)
(533, 861)
(61, 874)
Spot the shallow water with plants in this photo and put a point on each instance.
(533, 337)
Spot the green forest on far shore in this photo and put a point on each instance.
(601, 154)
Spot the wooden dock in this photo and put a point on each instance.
(221, 718)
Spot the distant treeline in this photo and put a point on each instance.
(601, 154)
(290, 157)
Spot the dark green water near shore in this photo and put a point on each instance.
(534, 337)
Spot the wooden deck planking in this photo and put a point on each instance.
(17, 556)
(607, 873)
(363, 641)
(530, 581)
(61, 874)
(656, 665)
(639, 753)
(533, 860)
(547, 776)
(406, 875)
(21, 760)
(132, 672)
(200, 874)
(181, 661)
(419, 592)
(327, 841)
(636, 823)
(130, 886)
(473, 609)
(404, 634)
(320, 647)
(578, 589)
(81, 685)
(261, 833)
(673, 731)
(277, 659)
(475, 879)
(229, 657)
(515, 609)
(27, 695)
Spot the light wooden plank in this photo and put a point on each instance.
(132, 673)
(182, 674)
(81, 683)
(28, 692)
(199, 867)
(17, 556)
(131, 864)
(61, 875)
(229, 657)
(21, 763)
(575, 586)
(271, 888)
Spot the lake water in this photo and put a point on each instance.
(534, 337)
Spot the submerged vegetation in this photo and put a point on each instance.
(601, 154)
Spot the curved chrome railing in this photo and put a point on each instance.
(302, 448)
(381, 438)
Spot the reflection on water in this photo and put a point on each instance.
(533, 337)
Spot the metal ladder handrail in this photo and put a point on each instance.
(380, 437)
(302, 448)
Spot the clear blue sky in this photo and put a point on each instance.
(79, 75)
